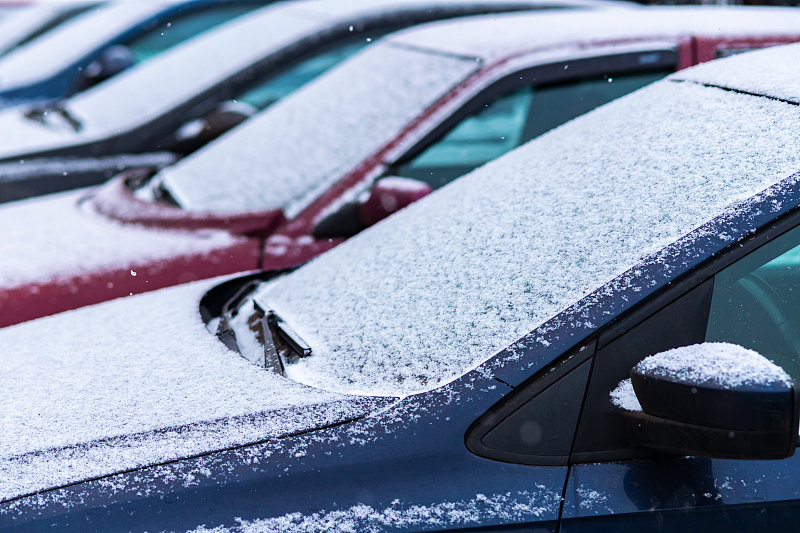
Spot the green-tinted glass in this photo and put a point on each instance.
(512, 120)
(183, 26)
(756, 302)
(277, 86)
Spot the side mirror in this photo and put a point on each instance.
(388, 195)
(710, 400)
(111, 62)
(222, 118)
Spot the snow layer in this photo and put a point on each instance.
(48, 54)
(310, 138)
(22, 22)
(518, 507)
(135, 382)
(770, 72)
(440, 287)
(718, 363)
(498, 36)
(283, 170)
(624, 396)
(53, 238)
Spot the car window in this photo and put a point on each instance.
(513, 119)
(756, 302)
(183, 26)
(277, 86)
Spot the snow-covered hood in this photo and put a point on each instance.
(20, 135)
(56, 238)
(137, 382)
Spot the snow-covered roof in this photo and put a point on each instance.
(186, 70)
(286, 170)
(56, 238)
(433, 291)
(770, 72)
(497, 37)
(70, 42)
(137, 382)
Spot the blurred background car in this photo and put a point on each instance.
(429, 103)
(204, 87)
(452, 368)
(104, 41)
(24, 24)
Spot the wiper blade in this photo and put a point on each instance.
(39, 114)
(282, 345)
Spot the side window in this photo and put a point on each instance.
(756, 302)
(275, 86)
(512, 119)
(183, 26)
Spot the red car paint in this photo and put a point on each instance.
(273, 242)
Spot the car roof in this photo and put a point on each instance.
(495, 38)
(581, 212)
(302, 156)
(769, 72)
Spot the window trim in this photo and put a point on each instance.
(538, 75)
(677, 289)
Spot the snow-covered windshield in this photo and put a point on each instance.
(294, 150)
(60, 47)
(433, 291)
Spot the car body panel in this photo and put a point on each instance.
(292, 242)
(406, 464)
(56, 73)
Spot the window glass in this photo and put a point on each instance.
(513, 119)
(276, 87)
(182, 27)
(756, 302)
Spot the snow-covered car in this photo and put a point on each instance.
(464, 364)
(428, 103)
(203, 87)
(24, 24)
(102, 42)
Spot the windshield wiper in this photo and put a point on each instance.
(39, 114)
(282, 345)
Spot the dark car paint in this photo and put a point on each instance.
(63, 83)
(415, 452)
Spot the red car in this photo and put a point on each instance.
(430, 104)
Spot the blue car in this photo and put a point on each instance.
(463, 365)
(103, 42)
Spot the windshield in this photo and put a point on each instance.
(424, 296)
(285, 157)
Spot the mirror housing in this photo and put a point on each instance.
(198, 132)
(111, 62)
(711, 400)
(386, 196)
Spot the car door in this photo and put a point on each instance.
(525, 104)
(750, 296)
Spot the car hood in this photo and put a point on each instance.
(137, 382)
(22, 136)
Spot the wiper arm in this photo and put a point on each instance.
(282, 344)
(225, 331)
(39, 114)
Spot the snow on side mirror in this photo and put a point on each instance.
(111, 62)
(198, 132)
(388, 195)
(710, 400)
